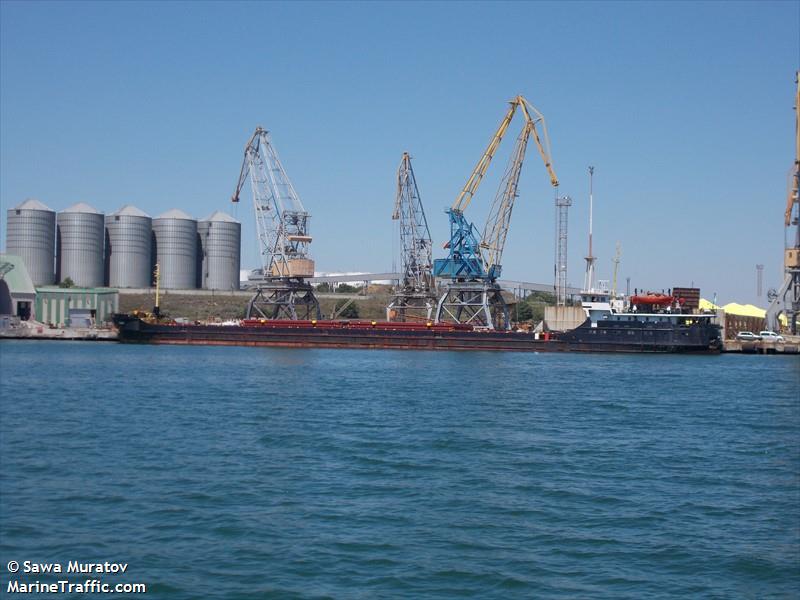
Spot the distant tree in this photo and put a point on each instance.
(532, 307)
(344, 288)
(524, 311)
(324, 288)
(544, 297)
(350, 311)
(67, 283)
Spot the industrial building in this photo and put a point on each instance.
(220, 238)
(80, 236)
(75, 307)
(31, 235)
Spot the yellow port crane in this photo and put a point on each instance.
(786, 301)
(474, 260)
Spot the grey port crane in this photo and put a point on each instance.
(786, 300)
(415, 296)
(283, 236)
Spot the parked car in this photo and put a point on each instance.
(747, 336)
(771, 336)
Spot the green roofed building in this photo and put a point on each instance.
(75, 307)
(17, 294)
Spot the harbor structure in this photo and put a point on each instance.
(220, 237)
(128, 248)
(175, 235)
(80, 235)
(31, 235)
(17, 292)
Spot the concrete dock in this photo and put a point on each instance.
(790, 346)
(31, 330)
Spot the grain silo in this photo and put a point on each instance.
(175, 235)
(129, 233)
(31, 235)
(220, 243)
(80, 236)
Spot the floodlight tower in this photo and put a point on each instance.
(562, 216)
(588, 284)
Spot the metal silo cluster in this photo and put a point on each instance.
(121, 249)
(220, 243)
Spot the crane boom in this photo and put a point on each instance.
(794, 189)
(465, 197)
(467, 257)
(493, 240)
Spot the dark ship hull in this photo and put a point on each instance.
(414, 336)
(647, 333)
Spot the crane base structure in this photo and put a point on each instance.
(284, 299)
(787, 301)
(407, 306)
(477, 303)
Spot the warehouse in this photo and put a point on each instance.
(75, 307)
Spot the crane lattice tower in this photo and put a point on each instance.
(415, 296)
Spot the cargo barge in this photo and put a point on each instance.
(616, 333)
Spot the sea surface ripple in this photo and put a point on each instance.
(270, 473)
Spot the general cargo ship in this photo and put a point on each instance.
(613, 332)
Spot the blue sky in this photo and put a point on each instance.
(685, 109)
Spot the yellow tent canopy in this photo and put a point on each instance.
(742, 310)
(706, 305)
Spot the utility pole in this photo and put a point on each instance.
(759, 279)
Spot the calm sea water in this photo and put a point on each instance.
(242, 473)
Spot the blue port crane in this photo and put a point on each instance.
(474, 260)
